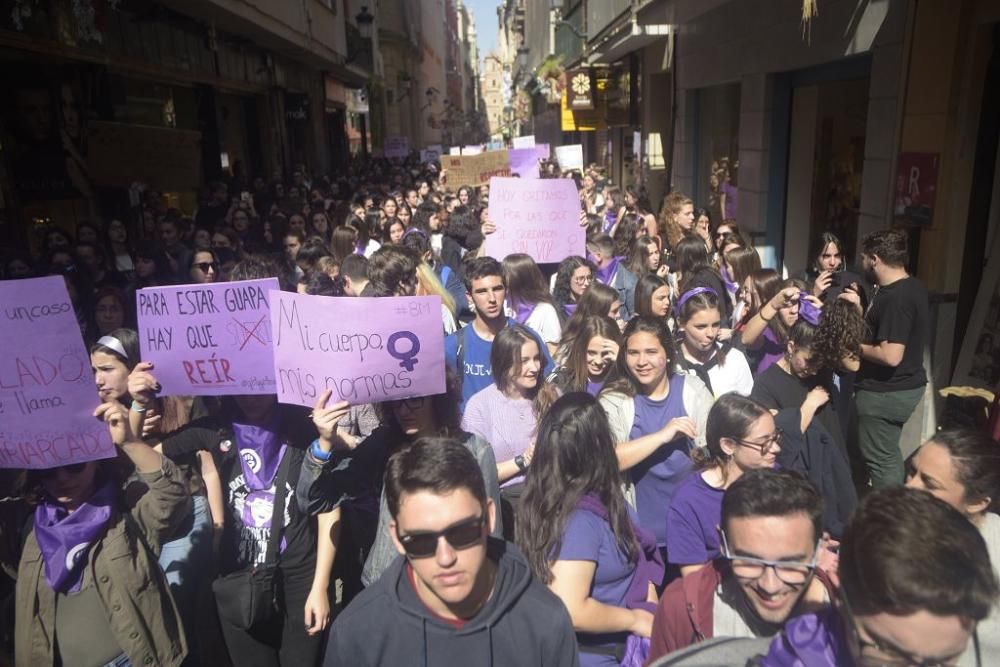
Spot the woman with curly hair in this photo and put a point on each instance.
(574, 277)
(676, 218)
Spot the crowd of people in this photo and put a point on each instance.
(655, 452)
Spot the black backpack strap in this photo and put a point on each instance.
(278, 513)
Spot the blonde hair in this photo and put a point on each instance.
(428, 284)
(672, 206)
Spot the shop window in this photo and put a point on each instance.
(718, 129)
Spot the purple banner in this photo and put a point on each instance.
(524, 161)
(47, 391)
(366, 350)
(209, 340)
(540, 217)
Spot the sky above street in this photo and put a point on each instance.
(485, 12)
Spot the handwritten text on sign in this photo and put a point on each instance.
(365, 349)
(540, 217)
(209, 340)
(47, 392)
(476, 170)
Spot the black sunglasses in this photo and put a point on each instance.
(72, 469)
(461, 535)
(205, 266)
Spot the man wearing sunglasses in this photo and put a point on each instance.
(456, 596)
(915, 580)
(771, 539)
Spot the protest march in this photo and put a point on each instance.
(481, 407)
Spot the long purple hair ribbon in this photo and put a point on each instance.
(808, 311)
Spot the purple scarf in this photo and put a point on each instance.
(260, 450)
(522, 311)
(809, 312)
(811, 640)
(610, 218)
(359, 249)
(569, 309)
(731, 286)
(65, 538)
(607, 274)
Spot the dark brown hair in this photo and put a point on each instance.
(438, 465)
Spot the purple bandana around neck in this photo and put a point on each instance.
(359, 249)
(522, 311)
(811, 639)
(569, 308)
(650, 564)
(731, 286)
(260, 450)
(607, 274)
(610, 218)
(65, 538)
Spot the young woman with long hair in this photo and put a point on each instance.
(600, 300)
(528, 299)
(628, 229)
(653, 298)
(580, 536)
(735, 267)
(343, 241)
(720, 366)
(741, 435)
(695, 269)
(637, 202)
(676, 218)
(828, 259)
(643, 256)
(506, 413)
(590, 357)
(657, 417)
(574, 277)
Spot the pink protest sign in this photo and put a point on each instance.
(209, 340)
(366, 350)
(540, 217)
(47, 391)
(524, 161)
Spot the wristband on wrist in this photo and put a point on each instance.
(138, 407)
(520, 463)
(318, 452)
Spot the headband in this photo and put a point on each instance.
(691, 293)
(807, 311)
(113, 343)
(414, 230)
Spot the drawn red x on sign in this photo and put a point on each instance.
(251, 333)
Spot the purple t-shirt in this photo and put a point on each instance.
(772, 350)
(589, 537)
(594, 388)
(694, 513)
(732, 199)
(658, 475)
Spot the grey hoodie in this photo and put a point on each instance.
(522, 624)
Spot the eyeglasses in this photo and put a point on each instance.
(410, 404)
(205, 266)
(773, 441)
(71, 469)
(461, 535)
(875, 652)
(788, 572)
(583, 280)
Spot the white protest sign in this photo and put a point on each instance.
(570, 157)
(539, 217)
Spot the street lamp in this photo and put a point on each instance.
(364, 20)
(522, 57)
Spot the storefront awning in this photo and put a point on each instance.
(632, 38)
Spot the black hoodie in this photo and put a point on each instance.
(523, 623)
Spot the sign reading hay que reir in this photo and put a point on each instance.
(47, 393)
(366, 350)
(209, 340)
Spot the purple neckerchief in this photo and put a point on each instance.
(650, 564)
(359, 249)
(610, 218)
(808, 311)
(569, 308)
(607, 274)
(522, 311)
(260, 449)
(65, 538)
(810, 640)
(731, 286)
